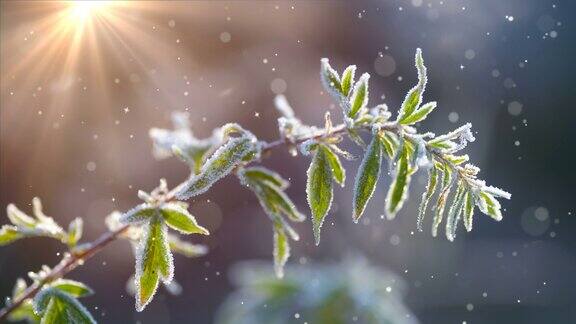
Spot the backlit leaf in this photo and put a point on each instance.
(347, 80)
(398, 192)
(366, 178)
(9, 234)
(468, 211)
(414, 97)
(281, 249)
(430, 188)
(455, 212)
(338, 172)
(57, 307)
(153, 262)
(181, 220)
(319, 190)
(220, 164)
(420, 114)
(359, 98)
(442, 198)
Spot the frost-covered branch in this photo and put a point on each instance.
(234, 150)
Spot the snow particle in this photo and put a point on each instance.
(91, 166)
(469, 54)
(225, 37)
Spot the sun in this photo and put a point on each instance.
(81, 11)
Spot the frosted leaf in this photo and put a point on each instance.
(420, 114)
(366, 178)
(181, 220)
(455, 212)
(184, 248)
(447, 182)
(445, 143)
(27, 226)
(153, 262)
(347, 80)
(457, 159)
(319, 189)
(497, 192)
(330, 79)
(426, 196)
(264, 174)
(139, 214)
(336, 168)
(398, 192)
(220, 164)
(19, 218)
(468, 211)
(75, 229)
(359, 97)
(308, 146)
(489, 205)
(265, 184)
(9, 234)
(414, 97)
(56, 306)
(72, 287)
(281, 249)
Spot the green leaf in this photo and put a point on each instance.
(347, 79)
(414, 97)
(24, 312)
(330, 79)
(398, 192)
(263, 174)
(338, 171)
(430, 188)
(181, 220)
(468, 210)
(281, 249)
(184, 248)
(420, 114)
(220, 164)
(456, 159)
(489, 205)
(139, 214)
(153, 262)
(57, 307)
(72, 287)
(442, 198)
(75, 229)
(319, 190)
(359, 98)
(19, 218)
(366, 178)
(280, 202)
(455, 212)
(9, 234)
(272, 198)
(389, 143)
